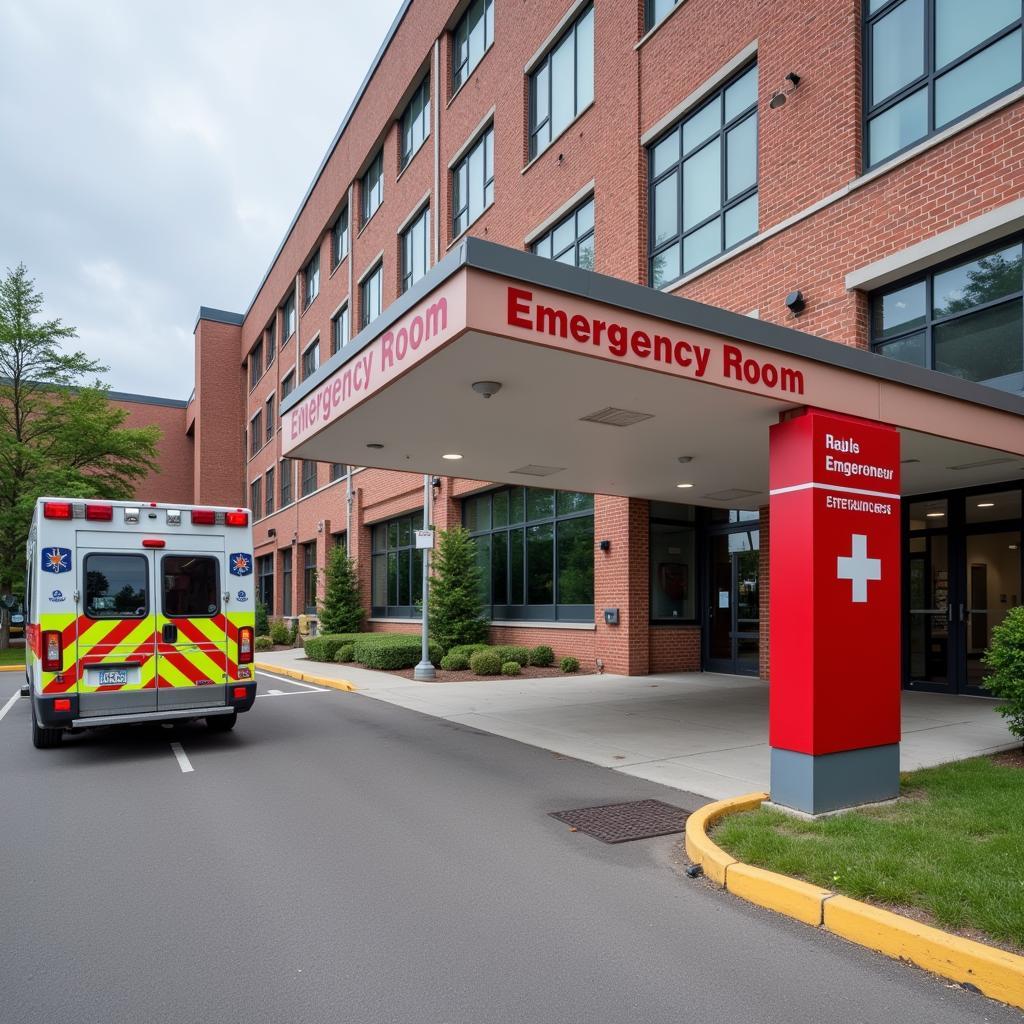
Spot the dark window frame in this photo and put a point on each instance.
(309, 577)
(287, 569)
(396, 552)
(310, 353)
(85, 580)
(289, 380)
(408, 123)
(462, 69)
(256, 433)
(407, 242)
(698, 527)
(341, 317)
(256, 363)
(339, 238)
(265, 581)
(368, 191)
(256, 496)
(216, 587)
(271, 341)
(650, 20)
(461, 208)
(268, 412)
(268, 491)
(289, 313)
(578, 238)
(377, 272)
(311, 280)
(308, 478)
(285, 483)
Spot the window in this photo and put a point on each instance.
(255, 363)
(563, 84)
(287, 385)
(265, 582)
(370, 297)
(268, 491)
(673, 539)
(338, 470)
(339, 237)
(308, 477)
(571, 240)
(271, 341)
(256, 497)
(471, 39)
(288, 316)
(928, 63)
(268, 411)
(965, 318)
(656, 10)
(415, 246)
(191, 586)
(116, 586)
(397, 579)
(703, 182)
(309, 577)
(536, 550)
(372, 186)
(311, 275)
(286, 482)
(415, 122)
(256, 433)
(286, 581)
(339, 330)
(311, 360)
(473, 183)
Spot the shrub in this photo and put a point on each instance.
(542, 656)
(485, 663)
(262, 625)
(279, 633)
(467, 650)
(341, 611)
(390, 651)
(454, 662)
(509, 653)
(456, 608)
(323, 647)
(569, 664)
(293, 633)
(1005, 660)
(511, 668)
(263, 643)
(345, 652)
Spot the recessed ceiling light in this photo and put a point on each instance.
(452, 456)
(684, 486)
(935, 515)
(986, 504)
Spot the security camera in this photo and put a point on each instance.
(795, 302)
(487, 388)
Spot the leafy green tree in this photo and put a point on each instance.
(341, 610)
(59, 434)
(262, 622)
(456, 606)
(1005, 661)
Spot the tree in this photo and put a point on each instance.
(456, 605)
(341, 610)
(1005, 661)
(262, 622)
(59, 434)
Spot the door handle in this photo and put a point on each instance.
(170, 633)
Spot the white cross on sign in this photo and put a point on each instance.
(859, 568)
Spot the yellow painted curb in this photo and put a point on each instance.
(304, 677)
(996, 973)
(12, 668)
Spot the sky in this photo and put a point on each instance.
(152, 156)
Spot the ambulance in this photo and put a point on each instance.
(137, 613)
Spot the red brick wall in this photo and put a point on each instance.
(675, 648)
(172, 480)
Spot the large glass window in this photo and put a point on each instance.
(372, 186)
(339, 330)
(563, 84)
(673, 562)
(256, 496)
(415, 249)
(191, 586)
(116, 586)
(703, 182)
(311, 275)
(929, 63)
(265, 582)
(287, 384)
(286, 482)
(656, 10)
(311, 360)
(286, 581)
(271, 341)
(255, 363)
(415, 122)
(308, 477)
(571, 240)
(256, 433)
(964, 318)
(473, 183)
(536, 550)
(268, 491)
(309, 577)
(471, 39)
(397, 578)
(339, 237)
(370, 296)
(268, 412)
(288, 316)
(338, 471)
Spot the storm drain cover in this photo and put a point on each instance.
(622, 823)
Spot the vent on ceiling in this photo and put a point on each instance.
(532, 470)
(612, 417)
(983, 463)
(734, 495)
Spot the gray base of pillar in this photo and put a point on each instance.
(819, 783)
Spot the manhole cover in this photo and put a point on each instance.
(622, 823)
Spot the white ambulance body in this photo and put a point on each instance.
(137, 613)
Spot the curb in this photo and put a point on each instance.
(994, 972)
(12, 668)
(304, 677)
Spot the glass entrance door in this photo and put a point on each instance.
(734, 610)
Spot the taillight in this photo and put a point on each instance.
(53, 651)
(240, 693)
(245, 645)
(153, 542)
(99, 513)
(204, 517)
(62, 704)
(57, 509)
(237, 518)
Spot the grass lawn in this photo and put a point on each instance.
(13, 656)
(952, 846)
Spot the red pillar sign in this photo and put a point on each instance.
(835, 611)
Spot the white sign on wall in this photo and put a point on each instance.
(425, 539)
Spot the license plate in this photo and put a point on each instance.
(112, 677)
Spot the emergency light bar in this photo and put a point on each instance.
(236, 518)
(99, 513)
(204, 517)
(57, 509)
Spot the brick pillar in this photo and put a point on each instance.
(765, 591)
(447, 512)
(621, 580)
(360, 547)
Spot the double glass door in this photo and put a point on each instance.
(734, 608)
(963, 574)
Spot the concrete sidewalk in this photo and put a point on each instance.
(700, 732)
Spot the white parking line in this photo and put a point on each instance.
(7, 707)
(273, 693)
(295, 682)
(183, 762)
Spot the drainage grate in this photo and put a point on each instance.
(622, 823)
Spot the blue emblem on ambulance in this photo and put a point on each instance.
(56, 559)
(240, 563)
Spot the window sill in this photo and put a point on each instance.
(462, 234)
(412, 157)
(557, 137)
(337, 266)
(369, 220)
(654, 28)
(306, 308)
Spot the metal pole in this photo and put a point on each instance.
(425, 669)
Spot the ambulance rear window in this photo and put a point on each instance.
(190, 586)
(116, 587)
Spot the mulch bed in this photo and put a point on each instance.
(1010, 758)
(528, 672)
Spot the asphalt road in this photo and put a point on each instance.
(338, 859)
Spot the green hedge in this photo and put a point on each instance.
(509, 652)
(280, 633)
(344, 653)
(542, 656)
(325, 646)
(397, 651)
(467, 650)
(454, 663)
(511, 668)
(569, 664)
(264, 643)
(485, 663)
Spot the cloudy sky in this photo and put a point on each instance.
(153, 155)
